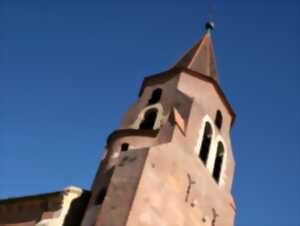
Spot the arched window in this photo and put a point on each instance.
(149, 119)
(125, 147)
(156, 95)
(207, 136)
(219, 119)
(218, 162)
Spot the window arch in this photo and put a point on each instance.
(219, 119)
(218, 162)
(156, 95)
(206, 142)
(149, 119)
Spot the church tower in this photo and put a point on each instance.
(170, 163)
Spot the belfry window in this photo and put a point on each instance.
(149, 119)
(206, 141)
(125, 147)
(155, 98)
(219, 119)
(218, 162)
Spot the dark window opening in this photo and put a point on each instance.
(125, 147)
(149, 119)
(218, 162)
(219, 119)
(100, 196)
(155, 98)
(204, 150)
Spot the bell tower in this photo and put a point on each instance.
(170, 163)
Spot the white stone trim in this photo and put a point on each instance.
(213, 148)
(159, 116)
(69, 194)
(116, 154)
(212, 155)
(205, 119)
(218, 139)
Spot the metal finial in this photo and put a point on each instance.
(209, 26)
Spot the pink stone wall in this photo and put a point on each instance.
(164, 197)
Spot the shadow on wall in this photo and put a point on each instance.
(77, 209)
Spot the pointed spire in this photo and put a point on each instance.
(200, 58)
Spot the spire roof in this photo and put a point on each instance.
(200, 58)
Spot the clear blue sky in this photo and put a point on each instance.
(70, 69)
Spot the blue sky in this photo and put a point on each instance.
(70, 69)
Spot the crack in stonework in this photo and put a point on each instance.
(190, 183)
(215, 215)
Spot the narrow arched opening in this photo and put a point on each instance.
(155, 97)
(149, 119)
(219, 119)
(124, 147)
(206, 141)
(218, 162)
